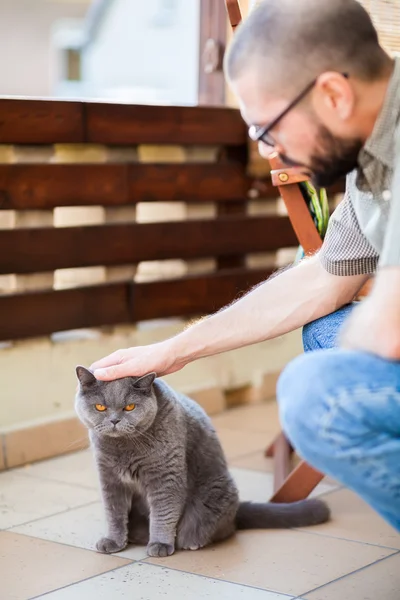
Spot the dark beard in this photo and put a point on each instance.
(336, 158)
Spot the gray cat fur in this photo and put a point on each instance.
(163, 475)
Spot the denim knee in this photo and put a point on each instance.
(310, 336)
(304, 408)
(294, 396)
(323, 332)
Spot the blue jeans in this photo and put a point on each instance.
(341, 411)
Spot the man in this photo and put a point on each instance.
(314, 84)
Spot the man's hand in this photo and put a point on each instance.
(374, 325)
(140, 360)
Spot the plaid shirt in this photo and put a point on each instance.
(364, 230)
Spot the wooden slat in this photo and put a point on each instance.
(36, 121)
(34, 186)
(40, 121)
(187, 182)
(127, 124)
(192, 295)
(43, 313)
(47, 249)
(231, 260)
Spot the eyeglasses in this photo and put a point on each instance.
(262, 134)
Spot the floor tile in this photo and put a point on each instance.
(290, 562)
(259, 417)
(77, 468)
(238, 443)
(147, 582)
(253, 485)
(256, 461)
(83, 526)
(23, 499)
(380, 581)
(31, 567)
(80, 527)
(353, 519)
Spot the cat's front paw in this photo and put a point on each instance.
(160, 550)
(107, 546)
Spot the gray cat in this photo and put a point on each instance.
(163, 475)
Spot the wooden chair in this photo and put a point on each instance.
(290, 484)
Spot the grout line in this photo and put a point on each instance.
(364, 568)
(245, 585)
(336, 537)
(80, 581)
(50, 480)
(333, 490)
(61, 512)
(115, 555)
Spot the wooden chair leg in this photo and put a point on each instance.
(270, 450)
(299, 484)
(282, 453)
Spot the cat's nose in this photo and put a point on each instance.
(115, 421)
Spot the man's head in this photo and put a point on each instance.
(329, 51)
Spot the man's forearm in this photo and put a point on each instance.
(282, 304)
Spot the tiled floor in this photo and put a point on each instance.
(50, 518)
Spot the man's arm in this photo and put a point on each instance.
(284, 303)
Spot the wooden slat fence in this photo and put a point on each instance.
(228, 237)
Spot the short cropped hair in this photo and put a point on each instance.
(292, 41)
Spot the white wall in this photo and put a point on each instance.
(26, 56)
(146, 51)
(38, 380)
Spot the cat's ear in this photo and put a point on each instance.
(145, 382)
(86, 377)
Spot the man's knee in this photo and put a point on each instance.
(304, 392)
(311, 334)
(319, 334)
(317, 407)
(294, 391)
(323, 332)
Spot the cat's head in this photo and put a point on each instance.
(117, 408)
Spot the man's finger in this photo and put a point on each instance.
(114, 372)
(112, 359)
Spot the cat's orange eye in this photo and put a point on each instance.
(129, 407)
(100, 407)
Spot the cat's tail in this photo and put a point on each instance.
(268, 515)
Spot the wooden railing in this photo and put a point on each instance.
(41, 186)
